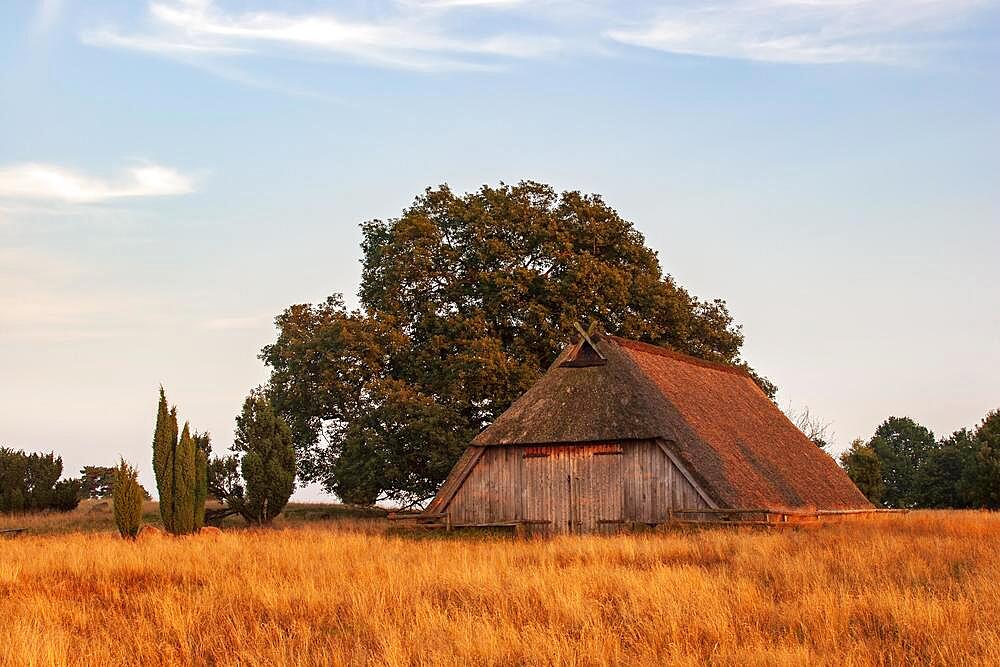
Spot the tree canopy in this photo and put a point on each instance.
(865, 470)
(465, 300)
(903, 466)
(902, 446)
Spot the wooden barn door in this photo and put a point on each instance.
(572, 488)
(597, 492)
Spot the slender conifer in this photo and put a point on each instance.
(180, 469)
(126, 500)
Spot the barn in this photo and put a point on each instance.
(619, 433)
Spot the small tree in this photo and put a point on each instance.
(813, 427)
(200, 485)
(268, 464)
(184, 483)
(164, 446)
(180, 469)
(259, 485)
(902, 446)
(96, 481)
(126, 499)
(865, 470)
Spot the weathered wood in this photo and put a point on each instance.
(453, 484)
(12, 531)
(589, 487)
(680, 467)
(572, 486)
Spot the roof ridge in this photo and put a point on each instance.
(649, 348)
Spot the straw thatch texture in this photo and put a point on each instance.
(724, 430)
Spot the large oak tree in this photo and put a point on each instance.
(465, 300)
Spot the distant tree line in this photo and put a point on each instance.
(904, 466)
(97, 482)
(30, 482)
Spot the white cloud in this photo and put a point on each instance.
(799, 31)
(152, 44)
(54, 183)
(437, 35)
(411, 36)
(449, 4)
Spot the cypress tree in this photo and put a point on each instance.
(181, 476)
(164, 444)
(126, 498)
(200, 487)
(184, 483)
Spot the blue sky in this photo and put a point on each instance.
(173, 174)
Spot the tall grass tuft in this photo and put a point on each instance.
(127, 500)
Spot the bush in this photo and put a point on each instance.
(30, 482)
(66, 495)
(126, 497)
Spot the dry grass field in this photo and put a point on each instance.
(893, 590)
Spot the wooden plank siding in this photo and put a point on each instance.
(580, 488)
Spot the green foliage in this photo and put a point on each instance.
(902, 446)
(257, 482)
(865, 470)
(65, 495)
(200, 487)
(184, 483)
(268, 465)
(223, 479)
(984, 479)
(96, 481)
(180, 468)
(30, 482)
(465, 302)
(164, 444)
(942, 480)
(127, 497)
(905, 467)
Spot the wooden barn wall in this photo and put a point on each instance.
(575, 488)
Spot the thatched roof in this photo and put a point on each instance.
(724, 429)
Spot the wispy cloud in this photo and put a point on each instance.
(108, 37)
(412, 35)
(799, 31)
(440, 35)
(50, 182)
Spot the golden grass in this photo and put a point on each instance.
(892, 590)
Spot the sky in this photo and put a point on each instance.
(173, 174)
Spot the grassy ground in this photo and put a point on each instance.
(922, 588)
(95, 516)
